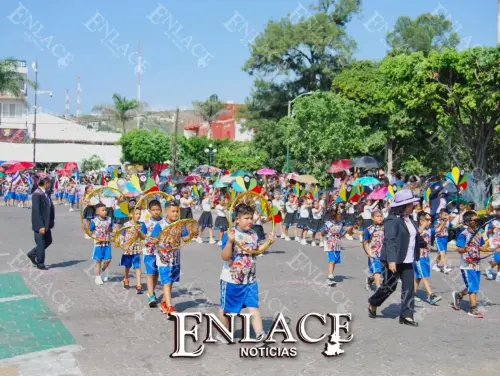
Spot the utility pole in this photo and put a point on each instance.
(35, 68)
(498, 21)
(174, 144)
(139, 67)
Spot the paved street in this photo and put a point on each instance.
(79, 328)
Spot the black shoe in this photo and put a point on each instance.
(32, 258)
(42, 267)
(404, 321)
(372, 314)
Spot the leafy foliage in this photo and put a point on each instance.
(209, 110)
(143, 147)
(11, 80)
(122, 109)
(93, 163)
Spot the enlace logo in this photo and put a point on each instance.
(264, 350)
(161, 15)
(35, 34)
(99, 23)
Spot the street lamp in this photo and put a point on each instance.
(290, 116)
(35, 68)
(210, 151)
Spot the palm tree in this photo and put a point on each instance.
(209, 110)
(121, 110)
(11, 79)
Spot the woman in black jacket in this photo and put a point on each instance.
(401, 247)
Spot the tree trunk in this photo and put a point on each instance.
(389, 150)
(123, 127)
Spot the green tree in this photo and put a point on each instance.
(11, 81)
(93, 163)
(240, 156)
(121, 110)
(325, 127)
(140, 146)
(270, 137)
(458, 91)
(209, 110)
(428, 32)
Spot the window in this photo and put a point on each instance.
(12, 110)
(19, 110)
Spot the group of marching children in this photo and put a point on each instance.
(16, 195)
(206, 221)
(68, 194)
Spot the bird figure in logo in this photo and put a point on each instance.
(332, 349)
(202, 62)
(61, 62)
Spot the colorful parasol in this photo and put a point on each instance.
(307, 179)
(192, 179)
(266, 171)
(378, 194)
(244, 184)
(292, 176)
(366, 180)
(339, 166)
(458, 177)
(19, 166)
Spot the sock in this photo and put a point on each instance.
(330, 276)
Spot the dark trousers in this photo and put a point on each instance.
(42, 243)
(406, 274)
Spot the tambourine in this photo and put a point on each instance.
(171, 236)
(144, 201)
(93, 198)
(128, 239)
(266, 210)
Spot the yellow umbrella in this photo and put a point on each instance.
(307, 179)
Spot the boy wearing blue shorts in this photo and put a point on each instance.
(333, 231)
(101, 227)
(238, 285)
(168, 258)
(422, 267)
(442, 226)
(493, 232)
(470, 243)
(151, 228)
(131, 258)
(373, 240)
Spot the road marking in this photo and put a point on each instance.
(4, 254)
(18, 297)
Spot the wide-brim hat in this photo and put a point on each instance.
(403, 197)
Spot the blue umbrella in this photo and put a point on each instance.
(366, 180)
(165, 173)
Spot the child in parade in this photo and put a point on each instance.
(493, 231)
(291, 207)
(238, 286)
(186, 204)
(151, 228)
(442, 227)
(101, 227)
(316, 224)
(132, 257)
(258, 219)
(206, 221)
(303, 224)
(470, 243)
(281, 205)
(90, 209)
(168, 258)
(72, 196)
(422, 267)
(221, 223)
(373, 240)
(332, 233)
(6, 193)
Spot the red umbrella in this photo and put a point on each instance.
(192, 179)
(64, 172)
(70, 166)
(19, 166)
(340, 165)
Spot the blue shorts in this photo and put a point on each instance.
(102, 253)
(496, 257)
(234, 297)
(472, 278)
(375, 265)
(72, 199)
(150, 264)
(131, 260)
(442, 244)
(169, 274)
(335, 257)
(422, 268)
(65, 195)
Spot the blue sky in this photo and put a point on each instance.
(73, 42)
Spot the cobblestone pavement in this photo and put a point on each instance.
(58, 322)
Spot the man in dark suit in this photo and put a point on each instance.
(42, 221)
(402, 243)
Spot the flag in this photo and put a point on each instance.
(157, 179)
(16, 179)
(195, 192)
(29, 180)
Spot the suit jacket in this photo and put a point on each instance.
(397, 239)
(42, 211)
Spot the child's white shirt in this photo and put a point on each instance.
(205, 204)
(220, 211)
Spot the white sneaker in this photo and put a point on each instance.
(436, 268)
(283, 236)
(219, 242)
(287, 239)
(313, 244)
(303, 242)
(498, 277)
(361, 238)
(349, 237)
(446, 270)
(321, 243)
(98, 280)
(105, 276)
(297, 239)
(199, 240)
(212, 241)
(71, 209)
(87, 237)
(489, 274)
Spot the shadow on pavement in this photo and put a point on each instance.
(65, 264)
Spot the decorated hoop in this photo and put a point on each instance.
(93, 198)
(147, 198)
(266, 210)
(171, 236)
(128, 238)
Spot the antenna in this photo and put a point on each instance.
(67, 104)
(139, 67)
(78, 100)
